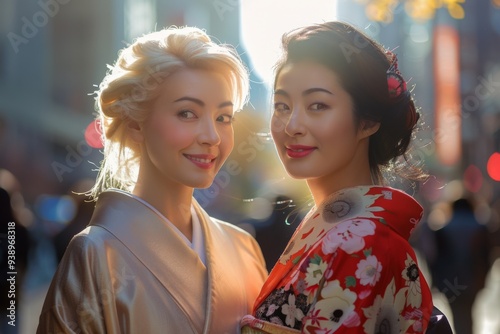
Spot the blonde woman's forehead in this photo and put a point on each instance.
(208, 87)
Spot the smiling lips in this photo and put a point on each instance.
(205, 161)
(299, 151)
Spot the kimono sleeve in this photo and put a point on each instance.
(77, 301)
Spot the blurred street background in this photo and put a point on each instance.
(53, 54)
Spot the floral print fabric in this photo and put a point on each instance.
(349, 268)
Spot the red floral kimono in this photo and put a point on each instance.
(349, 268)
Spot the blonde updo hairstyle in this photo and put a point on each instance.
(131, 85)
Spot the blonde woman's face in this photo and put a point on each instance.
(189, 133)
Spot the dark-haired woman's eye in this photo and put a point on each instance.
(186, 114)
(280, 107)
(318, 106)
(226, 118)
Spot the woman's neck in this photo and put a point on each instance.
(173, 203)
(353, 176)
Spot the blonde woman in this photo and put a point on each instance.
(151, 259)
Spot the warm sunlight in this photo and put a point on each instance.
(264, 22)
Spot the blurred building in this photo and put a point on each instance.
(53, 54)
(454, 68)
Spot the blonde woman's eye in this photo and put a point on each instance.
(187, 114)
(225, 118)
(318, 106)
(280, 107)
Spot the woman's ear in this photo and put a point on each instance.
(367, 128)
(135, 131)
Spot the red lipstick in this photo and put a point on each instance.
(299, 151)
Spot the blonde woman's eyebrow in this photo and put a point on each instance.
(201, 103)
(225, 104)
(191, 99)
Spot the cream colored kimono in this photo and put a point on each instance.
(129, 272)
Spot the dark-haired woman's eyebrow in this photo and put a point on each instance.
(314, 90)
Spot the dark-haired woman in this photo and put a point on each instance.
(342, 116)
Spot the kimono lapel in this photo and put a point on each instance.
(160, 249)
(281, 269)
(214, 266)
(220, 264)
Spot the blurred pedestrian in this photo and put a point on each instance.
(83, 213)
(274, 233)
(462, 262)
(15, 246)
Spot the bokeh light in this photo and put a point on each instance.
(473, 179)
(493, 166)
(93, 134)
(59, 209)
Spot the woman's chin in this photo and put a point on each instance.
(299, 175)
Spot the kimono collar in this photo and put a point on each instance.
(197, 244)
(389, 206)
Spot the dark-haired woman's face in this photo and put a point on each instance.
(313, 124)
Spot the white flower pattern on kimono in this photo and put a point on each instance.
(338, 207)
(348, 236)
(369, 270)
(335, 305)
(291, 311)
(384, 316)
(315, 273)
(411, 276)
